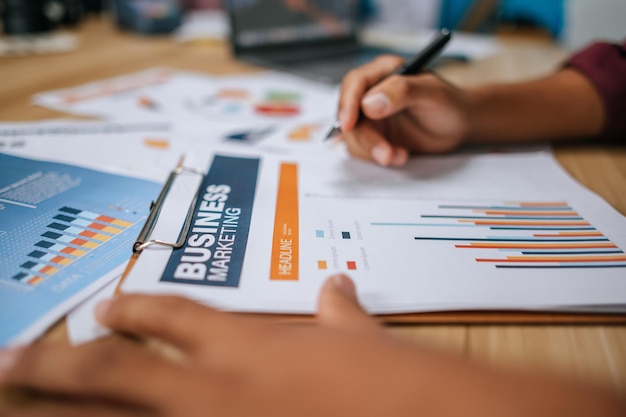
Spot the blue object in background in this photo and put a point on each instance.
(148, 16)
(544, 13)
(452, 12)
(367, 10)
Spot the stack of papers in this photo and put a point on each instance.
(278, 210)
(440, 234)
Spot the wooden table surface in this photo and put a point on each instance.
(590, 352)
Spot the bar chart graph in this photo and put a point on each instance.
(71, 234)
(520, 235)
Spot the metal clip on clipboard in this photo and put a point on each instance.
(155, 209)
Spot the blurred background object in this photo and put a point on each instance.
(593, 19)
(29, 25)
(406, 15)
(94, 6)
(571, 23)
(148, 16)
(317, 39)
(37, 16)
(574, 23)
(201, 4)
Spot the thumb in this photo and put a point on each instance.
(389, 97)
(398, 92)
(338, 306)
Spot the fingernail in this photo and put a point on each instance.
(8, 357)
(377, 103)
(343, 119)
(399, 158)
(345, 285)
(380, 154)
(101, 309)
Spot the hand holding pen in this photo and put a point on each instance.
(384, 117)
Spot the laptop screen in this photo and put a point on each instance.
(257, 23)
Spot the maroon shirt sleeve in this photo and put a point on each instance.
(604, 64)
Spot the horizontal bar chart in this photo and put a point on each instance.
(520, 235)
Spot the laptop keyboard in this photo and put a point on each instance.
(326, 66)
(319, 64)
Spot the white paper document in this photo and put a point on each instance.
(82, 325)
(53, 254)
(280, 210)
(243, 109)
(65, 231)
(444, 233)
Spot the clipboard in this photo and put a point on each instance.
(144, 239)
(457, 317)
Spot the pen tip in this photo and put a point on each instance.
(331, 133)
(335, 129)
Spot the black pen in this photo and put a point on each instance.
(412, 65)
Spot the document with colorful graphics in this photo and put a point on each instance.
(245, 109)
(489, 231)
(65, 231)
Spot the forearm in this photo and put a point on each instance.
(563, 106)
(479, 390)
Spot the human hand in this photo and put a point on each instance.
(231, 366)
(402, 114)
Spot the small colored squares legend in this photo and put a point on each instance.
(345, 235)
(351, 265)
(322, 265)
(319, 233)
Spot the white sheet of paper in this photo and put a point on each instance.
(396, 224)
(65, 232)
(233, 105)
(82, 325)
(203, 25)
(145, 155)
(14, 131)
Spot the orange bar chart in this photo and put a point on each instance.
(521, 235)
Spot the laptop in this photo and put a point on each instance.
(316, 39)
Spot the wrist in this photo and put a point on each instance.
(562, 106)
(477, 115)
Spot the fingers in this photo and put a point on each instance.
(389, 97)
(356, 83)
(176, 320)
(366, 142)
(407, 113)
(368, 89)
(113, 370)
(398, 92)
(338, 306)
